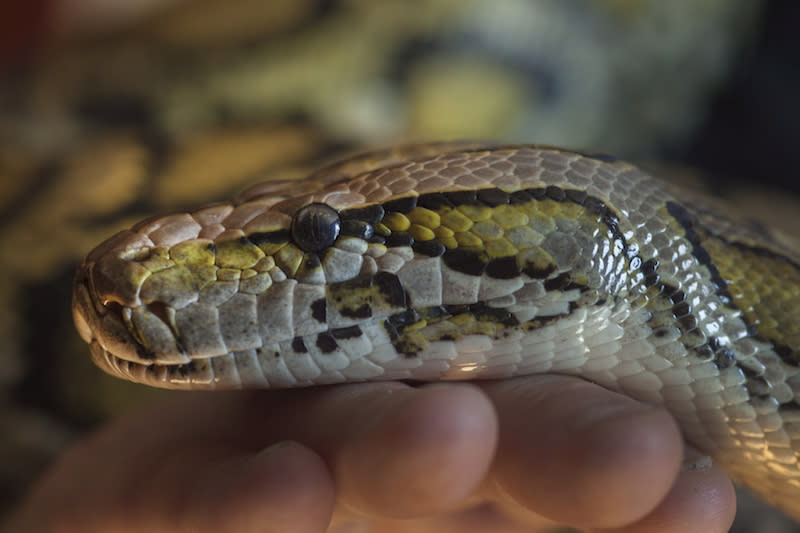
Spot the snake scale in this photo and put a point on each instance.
(463, 261)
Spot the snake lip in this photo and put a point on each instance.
(99, 322)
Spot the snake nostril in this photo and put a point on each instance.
(112, 307)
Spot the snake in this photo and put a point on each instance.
(466, 261)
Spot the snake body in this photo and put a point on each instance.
(462, 261)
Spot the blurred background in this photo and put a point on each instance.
(112, 111)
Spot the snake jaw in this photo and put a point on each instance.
(101, 325)
(108, 309)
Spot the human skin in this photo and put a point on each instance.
(493, 457)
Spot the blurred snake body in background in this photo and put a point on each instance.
(461, 261)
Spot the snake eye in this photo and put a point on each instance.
(315, 227)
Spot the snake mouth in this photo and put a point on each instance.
(100, 323)
(106, 324)
(115, 349)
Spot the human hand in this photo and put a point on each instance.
(384, 457)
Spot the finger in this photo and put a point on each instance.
(285, 487)
(104, 485)
(480, 519)
(396, 451)
(702, 501)
(579, 454)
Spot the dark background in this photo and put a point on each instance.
(752, 131)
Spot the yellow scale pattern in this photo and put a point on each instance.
(765, 287)
(492, 232)
(508, 230)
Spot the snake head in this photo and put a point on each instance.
(174, 292)
(403, 271)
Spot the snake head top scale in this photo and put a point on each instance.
(463, 261)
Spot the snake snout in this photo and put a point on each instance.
(110, 312)
(100, 323)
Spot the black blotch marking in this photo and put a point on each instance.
(350, 332)
(395, 324)
(540, 322)
(357, 228)
(688, 322)
(435, 312)
(681, 309)
(299, 346)
(434, 201)
(391, 288)
(269, 237)
(562, 282)
(650, 270)
(465, 262)
(401, 205)
(432, 248)
(786, 354)
(399, 239)
(503, 268)
(555, 193)
(456, 309)
(521, 197)
(539, 273)
(704, 352)
(575, 196)
(667, 291)
(211, 247)
(319, 310)
(403, 319)
(371, 214)
(407, 347)
(467, 197)
(483, 312)
(362, 311)
(493, 197)
(724, 358)
(595, 206)
(391, 330)
(326, 343)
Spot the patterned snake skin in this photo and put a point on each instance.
(462, 261)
